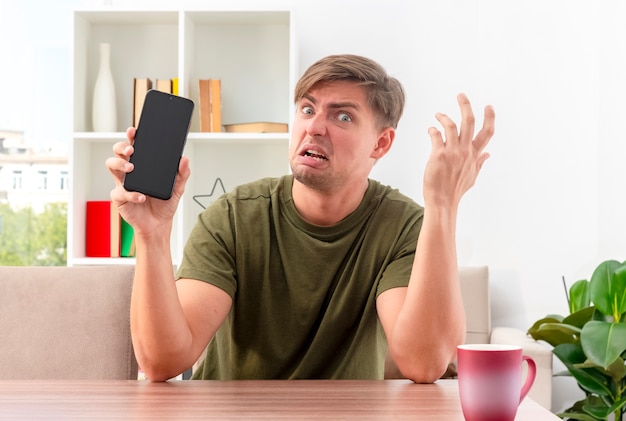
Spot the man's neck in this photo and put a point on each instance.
(326, 208)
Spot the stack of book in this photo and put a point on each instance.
(107, 234)
(141, 88)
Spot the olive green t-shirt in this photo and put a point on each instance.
(304, 296)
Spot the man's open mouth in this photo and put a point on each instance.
(315, 155)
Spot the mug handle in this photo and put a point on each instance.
(530, 376)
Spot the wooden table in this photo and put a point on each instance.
(249, 400)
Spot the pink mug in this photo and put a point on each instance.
(490, 380)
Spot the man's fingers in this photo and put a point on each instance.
(123, 149)
(484, 135)
(467, 119)
(118, 167)
(122, 197)
(466, 133)
(130, 134)
(449, 126)
(435, 137)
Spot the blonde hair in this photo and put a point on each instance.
(385, 94)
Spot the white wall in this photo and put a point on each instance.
(549, 202)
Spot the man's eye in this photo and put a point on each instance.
(307, 110)
(344, 117)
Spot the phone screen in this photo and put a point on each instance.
(159, 143)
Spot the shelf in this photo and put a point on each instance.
(103, 261)
(247, 44)
(239, 138)
(219, 137)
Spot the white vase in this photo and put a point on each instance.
(104, 112)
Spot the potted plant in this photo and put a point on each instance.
(591, 341)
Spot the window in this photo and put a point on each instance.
(42, 180)
(17, 180)
(64, 181)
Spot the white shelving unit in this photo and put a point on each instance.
(248, 45)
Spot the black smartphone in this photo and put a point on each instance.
(159, 143)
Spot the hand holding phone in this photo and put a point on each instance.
(159, 143)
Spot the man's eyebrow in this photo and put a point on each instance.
(309, 97)
(345, 104)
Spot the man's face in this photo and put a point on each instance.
(334, 137)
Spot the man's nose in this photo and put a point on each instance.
(316, 125)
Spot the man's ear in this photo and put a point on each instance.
(384, 142)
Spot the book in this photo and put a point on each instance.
(204, 104)
(216, 105)
(140, 89)
(115, 230)
(257, 127)
(210, 105)
(102, 229)
(175, 86)
(164, 85)
(127, 239)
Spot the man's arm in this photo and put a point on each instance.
(425, 322)
(171, 322)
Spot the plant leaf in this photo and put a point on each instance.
(591, 380)
(617, 370)
(533, 331)
(597, 412)
(580, 317)
(619, 283)
(550, 318)
(601, 286)
(603, 342)
(557, 333)
(576, 412)
(579, 297)
(603, 411)
(576, 416)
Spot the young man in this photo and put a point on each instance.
(318, 273)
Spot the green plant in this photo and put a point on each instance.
(591, 342)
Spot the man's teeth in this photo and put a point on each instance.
(315, 155)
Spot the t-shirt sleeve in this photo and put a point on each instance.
(398, 271)
(209, 254)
